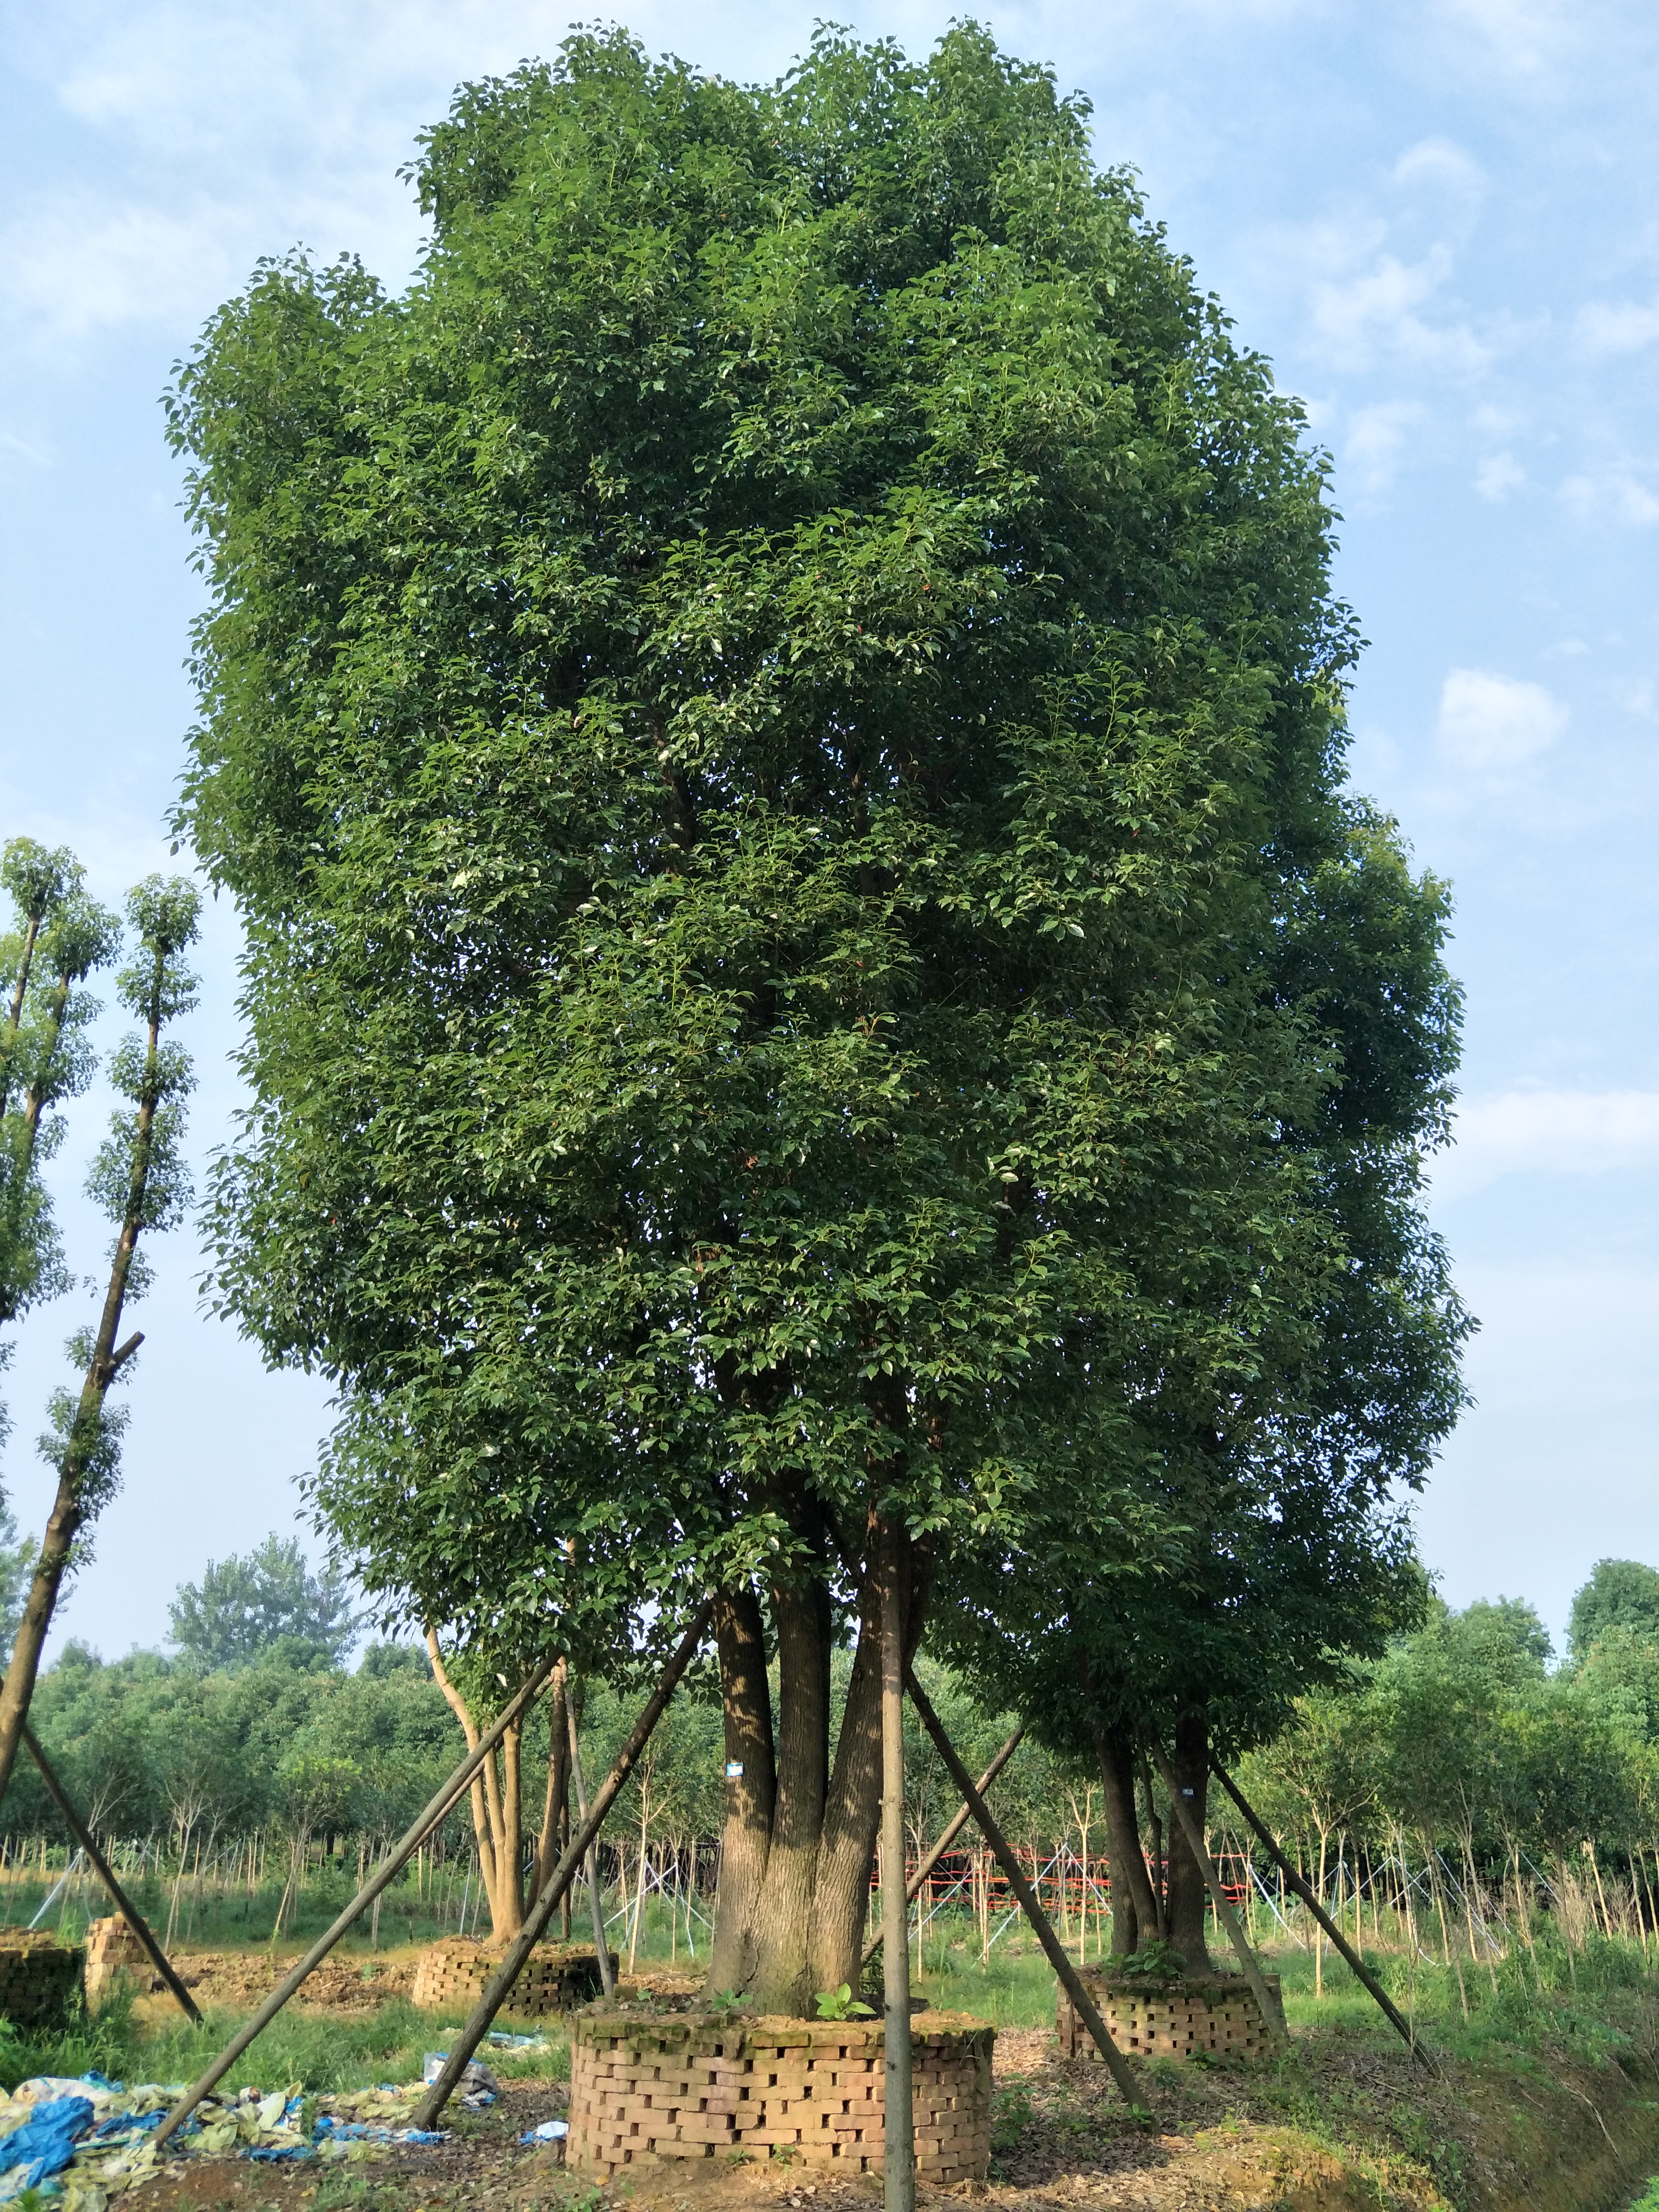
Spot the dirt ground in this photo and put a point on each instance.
(1063, 2140)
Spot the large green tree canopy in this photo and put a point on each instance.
(775, 724)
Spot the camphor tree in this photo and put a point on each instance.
(140, 1178)
(1285, 1464)
(758, 720)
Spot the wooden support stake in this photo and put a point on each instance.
(948, 1834)
(1223, 1910)
(1362, 1972)
(389, 1867)
(124, 1904)
(1117, 2064)
(462, 2047)
(607, 1980)
(899, 2110)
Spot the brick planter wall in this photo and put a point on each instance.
(1171, 2020)
(555, 1976)
(698, 2087)
(115, 1957)
(38, 1977)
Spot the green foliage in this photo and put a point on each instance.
(57, 938)
(1459, 1733)
(840, 2003)
(1620, 1593)
(243, 1606)
(745, 717)
(1153, 1959)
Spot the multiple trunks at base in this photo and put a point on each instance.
(39, 1978)
(556, 1978)
(115, 1958)
(697, 2087)
(1167, 2020)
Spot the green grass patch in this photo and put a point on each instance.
(317, 2050)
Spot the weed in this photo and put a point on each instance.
(842, 2004)
(1011, 2115)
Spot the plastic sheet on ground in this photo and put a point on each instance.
(81, 2141)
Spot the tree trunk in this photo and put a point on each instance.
(792, 1921)
(746, 1835)
(1188, 1895)
(498, 1803)
(779, 1980)
(1133, 1910)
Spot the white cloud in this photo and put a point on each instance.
(1619, 490)
(1525, 38)
(1548, 1133)
(1441, 165)
(1494, 726)
(1498, 475)
(1623, 327)
(74, 263)
(1375, 312)
(1377, 438)
(26, 449)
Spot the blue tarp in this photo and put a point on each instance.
(44, 2144)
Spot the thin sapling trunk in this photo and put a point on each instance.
(140, 1177)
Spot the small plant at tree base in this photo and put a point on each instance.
(726, 2002)
(1157, 1961)
(1011, 2115)
(842, 2004)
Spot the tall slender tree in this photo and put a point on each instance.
(58, 937)
(140, 1178)
(760, 722)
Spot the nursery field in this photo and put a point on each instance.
(1545, 2093)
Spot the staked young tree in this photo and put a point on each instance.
(139, 1176)
(766, 723)
(59, 937)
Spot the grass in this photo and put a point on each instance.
(320, 2051)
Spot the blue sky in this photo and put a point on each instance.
(1441, 222)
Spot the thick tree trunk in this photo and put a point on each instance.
(1187, 1894)
(1133, 1911)
(780, 1979)
(791, 1911)
(746, 1835)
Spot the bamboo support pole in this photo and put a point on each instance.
(949, 1834)
(1117, 2064)
(899, 2152)
(124, 1904)
(1362, 1971)
(500, 1982)
(1223, 1911)
(389, 1867)
(596, 1908)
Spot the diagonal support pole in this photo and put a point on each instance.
(948, 1834)
(601, 1948)
(1117, 2064)
(388, 1871)
(1362, 1973)
(1218, 1897)
(500, 1982)
(124, 1904)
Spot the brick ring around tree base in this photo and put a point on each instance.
(1167, 2020)
(556, 1977)
(704, 2086)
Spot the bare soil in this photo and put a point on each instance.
(1338, 2125)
